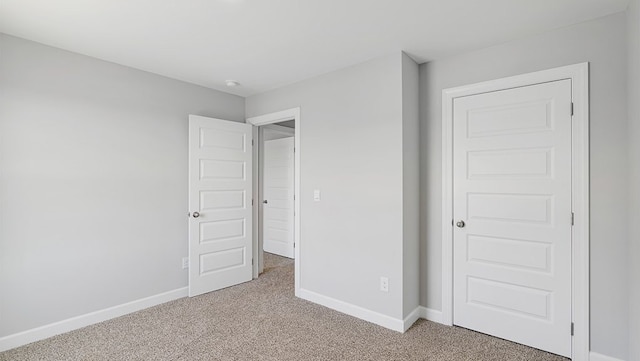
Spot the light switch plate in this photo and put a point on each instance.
(316, 195)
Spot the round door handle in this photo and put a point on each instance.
(460, 224)
(265, 201)
(196, 214)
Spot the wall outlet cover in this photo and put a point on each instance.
(384, 284)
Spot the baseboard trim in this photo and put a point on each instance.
(74, 323)
(353, 310)
(431, 314)
(411, 318)
(594, 356)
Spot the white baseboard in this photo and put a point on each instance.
(46, 331)
(353, 310)
(412, 318)
(594, 356)
(430, 314)
(53, 329)
(436, 316)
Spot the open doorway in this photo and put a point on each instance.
(276, 189)
(276, 192)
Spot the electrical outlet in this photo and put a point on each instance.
(185, 262)
(384, 284)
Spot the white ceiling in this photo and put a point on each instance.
(265, 44)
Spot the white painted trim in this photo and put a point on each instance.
(258, 266)
(353, 310)
(280, 129)
(579, 75)
(414, 316)
(431, 314)
(580, 268)
(594, 356)
(74, 323)
(277, 117)
(271, 118)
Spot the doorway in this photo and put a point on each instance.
(282, 122)
(276, 143)
(223, 212)
(515, 209)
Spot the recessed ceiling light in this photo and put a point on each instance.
(232, 83)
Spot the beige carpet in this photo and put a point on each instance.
(262, 320)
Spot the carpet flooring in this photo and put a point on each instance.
(262, 320)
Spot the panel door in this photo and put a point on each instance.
(220, 193)
(512, 190)
(278, 208)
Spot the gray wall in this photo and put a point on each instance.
(602, 43)
(93, 182)
(351, 149)
(633, 27)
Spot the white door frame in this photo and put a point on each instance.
(579, 75)
(281, 116)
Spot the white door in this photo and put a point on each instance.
(220, 192)
(512, 209)
(278, 197)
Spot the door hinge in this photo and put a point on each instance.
(571, 109)
(252, 261)
(252, 139)
(572, 327)
(251, 201)
(573, 218)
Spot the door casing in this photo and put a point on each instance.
(271, 118)
(579, 75)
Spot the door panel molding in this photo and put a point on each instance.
(579, 76)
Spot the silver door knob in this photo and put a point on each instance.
(196, 214)
(460, 224)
